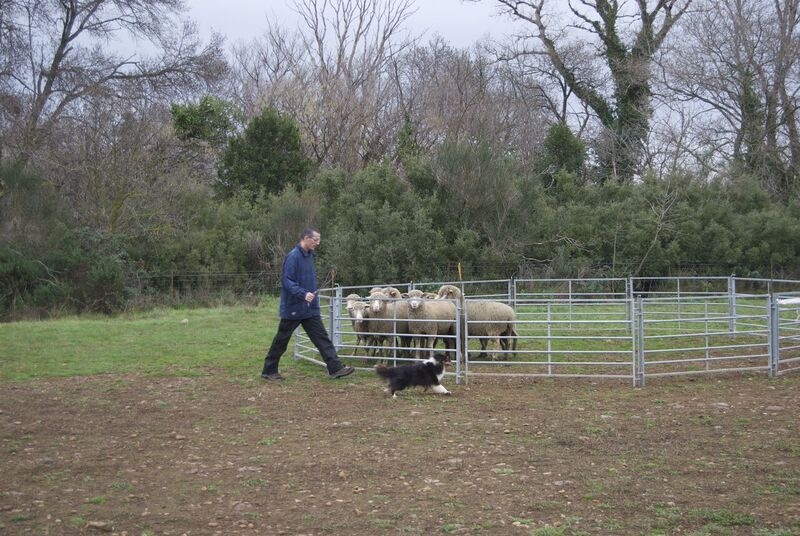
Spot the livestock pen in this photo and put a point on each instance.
(617, 328)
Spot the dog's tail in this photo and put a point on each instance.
(383, 371)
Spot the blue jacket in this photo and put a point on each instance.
(299, 277)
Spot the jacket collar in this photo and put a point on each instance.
(302, 251)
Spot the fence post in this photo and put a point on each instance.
(774, 320)
(549, 340)
(732, 305)
(512, 293)
(336, 319)
(460, 355)
(639, 374)
(465, 337)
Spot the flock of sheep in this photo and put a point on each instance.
(424, 317)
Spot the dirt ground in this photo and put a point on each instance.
(213, 454)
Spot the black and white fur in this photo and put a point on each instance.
(427, 374)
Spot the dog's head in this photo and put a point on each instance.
(443, 359)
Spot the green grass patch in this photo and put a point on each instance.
(724, 518)
(170, 342)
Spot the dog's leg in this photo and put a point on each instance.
(439, 390)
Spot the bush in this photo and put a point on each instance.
(266, 158)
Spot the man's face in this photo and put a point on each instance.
(310, 243)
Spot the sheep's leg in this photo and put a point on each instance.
(508, 340)
(380, 349)
(377, 348)
(484, 344)
(407, 341)
(449, 344)
(429, 345)
(424, 344)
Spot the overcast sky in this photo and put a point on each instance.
(460, 23)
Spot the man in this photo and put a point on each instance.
(300, 306)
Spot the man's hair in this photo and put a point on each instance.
(309, 231)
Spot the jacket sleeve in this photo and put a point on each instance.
(291, 277)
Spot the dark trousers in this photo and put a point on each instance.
(315, 330)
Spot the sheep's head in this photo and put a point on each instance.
(377, 301)
(351, 300)
(359, 312)
(449, 292)
(415, 299)
(392, 292)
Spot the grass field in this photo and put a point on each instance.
(157, 423)
(176, 342)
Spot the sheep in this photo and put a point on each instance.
(388, 316)
(401, 314)
(487, 320)
(359, 313)
(428, 318)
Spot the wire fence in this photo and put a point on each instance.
(177, 288)
(625, 329)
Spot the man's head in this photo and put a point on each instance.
(310, 238)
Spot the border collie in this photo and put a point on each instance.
(427, 374)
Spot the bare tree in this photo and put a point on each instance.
(119, 167)
(740, 61)
(538, 76)
(624, 109)
(270, 71)
(466, 95)
(331, 76)
(61, 52)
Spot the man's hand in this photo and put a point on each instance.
(309, 297)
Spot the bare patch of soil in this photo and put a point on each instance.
(140, 455)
